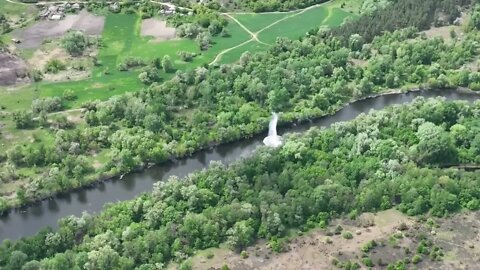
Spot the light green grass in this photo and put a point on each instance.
(255, 22)
(337, 17)
(296, 26)
(12, 9)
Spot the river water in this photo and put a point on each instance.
(29, 220)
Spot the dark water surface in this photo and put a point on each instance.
(31, 219)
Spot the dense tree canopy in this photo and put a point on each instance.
(368, 164)
(303, 79)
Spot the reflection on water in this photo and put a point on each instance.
(30, 220)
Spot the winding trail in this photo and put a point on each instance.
(254, 35)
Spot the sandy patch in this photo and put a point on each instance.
(13, 70)
(309, 251)
(157, 29)
(33, 36)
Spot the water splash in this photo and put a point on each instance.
(273, 140)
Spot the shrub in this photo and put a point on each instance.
(75, 43)
(367, 261)
(54, 66)
(416, 259)
(48, 104)
(69, 94)
(23, 119)
(347, 235)
(185, 56)
(131, 62)
(244, 254)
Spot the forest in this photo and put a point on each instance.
(389, 158)
(205, 106)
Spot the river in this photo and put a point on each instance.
(29, 220)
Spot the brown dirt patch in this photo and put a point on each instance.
(157, 29)
(310, 250)
(33, 36)
(13, 70)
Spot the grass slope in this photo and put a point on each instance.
(295, 26)
(256, 22)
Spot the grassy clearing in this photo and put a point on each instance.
(256, 22)
(295, 26)
(337, 17)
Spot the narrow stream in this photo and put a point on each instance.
(31, 219)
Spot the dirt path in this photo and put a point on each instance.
(254, 35)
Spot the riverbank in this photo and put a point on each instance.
(92, 198)
(286, 120)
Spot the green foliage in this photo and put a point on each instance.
(347, 235)
(23, 119)
(239, 203)
(75, 43)
(54, 66)
(402, 14)
(416, 259)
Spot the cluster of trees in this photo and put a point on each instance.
(402, 14)
(304, 79)
(75, 42)
(151, 73)
(255, 5)
(202, 25)
(377, 161)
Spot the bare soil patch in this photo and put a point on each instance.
(33, 36)
(13, 70)
(158, 29)
(309, 251)
(458, 237)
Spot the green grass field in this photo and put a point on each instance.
(295, 26)
(121, 38)
(258, 21)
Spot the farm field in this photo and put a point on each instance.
(121, 38)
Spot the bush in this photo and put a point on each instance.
(416, 259)
(367, 261)
(244, 254)
(49, 104)
(75, 43)
(185, 56)
(69, 94)
(131, 62)
(23, 119)
(54, 66)
(347, 235)
(36, 75)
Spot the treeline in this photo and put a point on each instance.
(253, 5)
(378, 161)
(401, 14)
(304, 79)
